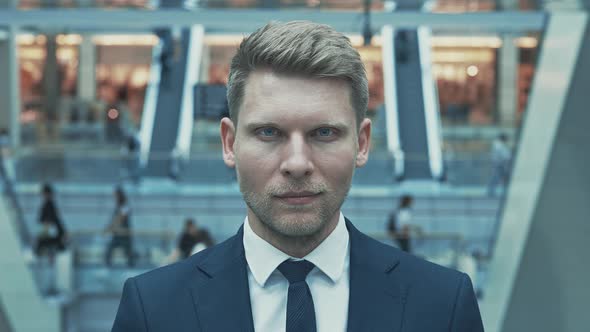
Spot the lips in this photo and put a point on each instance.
(298, 198)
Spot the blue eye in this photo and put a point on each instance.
(268, 132)
(325, 132)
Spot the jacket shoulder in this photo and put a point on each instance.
(177, 274)
(413, 268)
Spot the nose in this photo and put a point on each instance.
(297, 161)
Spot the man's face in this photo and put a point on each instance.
(295, 149)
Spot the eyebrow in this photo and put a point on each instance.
(341, 126)
(255, 125)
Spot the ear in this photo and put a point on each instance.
(364, 143)
(228, 137)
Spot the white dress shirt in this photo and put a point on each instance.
(328, 281)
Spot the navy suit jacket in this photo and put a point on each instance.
(389, 291)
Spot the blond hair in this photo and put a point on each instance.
(299, 48)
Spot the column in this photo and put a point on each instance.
(9, 87)
(538, 276)
(566, 5)
(507, 80)
(51, 88)
(87, 69)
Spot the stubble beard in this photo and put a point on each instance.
(294, 222)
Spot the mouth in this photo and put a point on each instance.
(298, 198)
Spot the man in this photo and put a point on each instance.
(297, 95)
(400, 224)
(193, 239)
(53, 236)
(120, 227)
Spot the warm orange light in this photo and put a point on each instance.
(527, 42)
(140, 77)
(40, 39)
(467, 41)
(25, 39)
(126, 40)
(442, 55)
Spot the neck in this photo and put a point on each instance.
(294, 246)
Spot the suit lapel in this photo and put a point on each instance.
(220, 292)
(377, 299)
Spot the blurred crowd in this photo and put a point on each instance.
(53, 239)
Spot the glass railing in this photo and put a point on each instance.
(158, 248)
(151, 248)
(76, 122)
(456, 228)
(116, 163)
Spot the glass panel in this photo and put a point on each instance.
(470, 87)
(101, 119)
(31, 54)
(466, 82)
(122, 70)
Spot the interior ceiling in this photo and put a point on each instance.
(341, 4)
(348, 4)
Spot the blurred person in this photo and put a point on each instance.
(175, 163)
(500, 156)
(52, 237)
(193, 239)
(400, 225)
(204, 240)
(120, 228)
(188, 238)
(297, 130)
(130, 153)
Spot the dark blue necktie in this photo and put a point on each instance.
(300, 310)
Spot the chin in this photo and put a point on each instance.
(298, 225)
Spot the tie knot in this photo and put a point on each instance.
(295, 271)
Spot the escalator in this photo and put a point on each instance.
(412, 129)
(166, 128)
(413, 122)
(19, 294)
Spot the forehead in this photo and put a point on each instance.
(269, 96)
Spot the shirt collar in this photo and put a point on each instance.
(329, 257)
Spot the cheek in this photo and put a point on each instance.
(255, 164)
(337, 166)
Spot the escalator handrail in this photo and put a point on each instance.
(10, 192)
